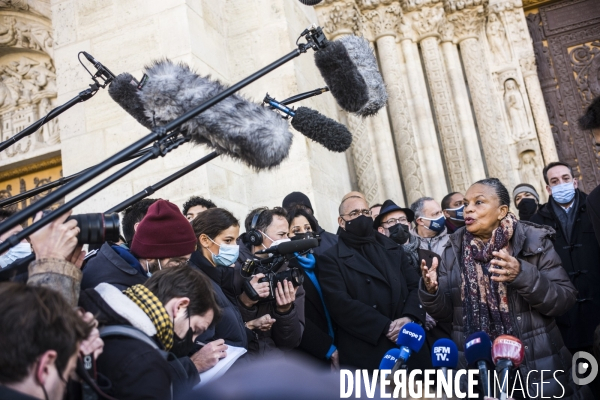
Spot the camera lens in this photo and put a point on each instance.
(97, 228)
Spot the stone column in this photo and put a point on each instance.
(382, 23)
(470, 141)
(467, 27)
(426, 23)
(339, 19)
(538, 108)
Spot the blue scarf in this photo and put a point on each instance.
(126, 255)
(308, 264)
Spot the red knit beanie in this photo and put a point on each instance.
(163, 233)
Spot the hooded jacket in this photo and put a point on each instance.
(109, 267)
(540, 293)
(435, 244)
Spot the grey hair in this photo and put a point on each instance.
(499, 188)
(417, 206)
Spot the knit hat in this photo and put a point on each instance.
(163, 233)
(296, 198)
(525, 187)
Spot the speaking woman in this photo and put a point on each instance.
(502, 276)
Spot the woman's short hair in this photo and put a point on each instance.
(300, 211)
(499, 188)
(213, 221)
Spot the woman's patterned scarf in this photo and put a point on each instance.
(485, 302)
(154, 309)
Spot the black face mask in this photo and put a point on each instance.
(183, 347)
(527, 207)
(361, 226)
(399, 233)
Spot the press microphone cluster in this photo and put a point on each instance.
(102, 70)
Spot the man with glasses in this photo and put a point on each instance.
(430, 223)
(369, 288)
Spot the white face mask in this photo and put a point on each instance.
(148, 273)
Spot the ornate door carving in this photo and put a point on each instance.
(567, 49)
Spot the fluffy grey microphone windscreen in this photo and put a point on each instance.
(329, 133)
(124, 91)
(349, 68)
(235, 126)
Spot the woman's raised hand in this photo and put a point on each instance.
(430, 275)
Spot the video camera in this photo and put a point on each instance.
(278, 256)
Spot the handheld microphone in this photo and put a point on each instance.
(291, 247)
(108, 75)
(235, 126)
(312, 124)
(349, 68)
(478, 352)
(507, 353)
(444, 355)
(389, 359)
(410, 340)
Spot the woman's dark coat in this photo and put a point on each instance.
(230, 326)
(541, 292)
(363, 303)
(315, 339)
(581, 259)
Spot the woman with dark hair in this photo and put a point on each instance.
(217, 230)
(502, 276)
(318, 336)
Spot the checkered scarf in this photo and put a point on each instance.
(154, 309)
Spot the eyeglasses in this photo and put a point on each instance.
(356, 213)
(394, 221)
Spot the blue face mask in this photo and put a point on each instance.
(436, 225)
(228, 254)
(563, 193)
(459, 213)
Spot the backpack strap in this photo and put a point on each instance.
(131, 332)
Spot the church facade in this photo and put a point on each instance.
(477, 88)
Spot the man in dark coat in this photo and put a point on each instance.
(299, 199)
(567, 213)
(368, 287)
(593, 205)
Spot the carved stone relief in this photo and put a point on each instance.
(585, 61)
(530, 170)
(515, 110)
(497, 39)
(25, 33)
(341, 18)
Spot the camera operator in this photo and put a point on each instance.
(163, 236)
(265, 228)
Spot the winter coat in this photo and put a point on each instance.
(11, 394)
(581, 259)
(109, 267)
(540, 292)
(286, 332)
(327, 240)
(593, 206)
(56, 274)
(363, 303)
(435, 244)
(231, 326)
(135, 369)
(316, 341)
